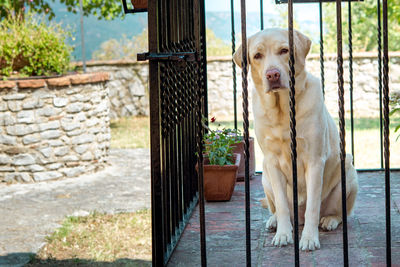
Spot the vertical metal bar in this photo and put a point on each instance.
(351, 80)
(233, 64)
(321, 48)
(246, 129)
(203, 41)
(261, 15)
(197, 31)
(386, 130)
(342, 127)
(380, 78)
(293, 132)
(155, 136)
(82, 36)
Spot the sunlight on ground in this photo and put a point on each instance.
(101, 238)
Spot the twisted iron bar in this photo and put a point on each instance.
(246, 130)
(293, 144)
(342, 128)
(378, 7)
(386, 131)
(233, 64)
(321, 48)
(351, 80)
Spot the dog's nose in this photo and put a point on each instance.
(273, 75)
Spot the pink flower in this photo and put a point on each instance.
(213, 119)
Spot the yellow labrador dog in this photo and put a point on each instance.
(318, 162)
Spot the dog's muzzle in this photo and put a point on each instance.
(274, 79)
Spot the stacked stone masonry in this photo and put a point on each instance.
(129, 97)
(53, 128)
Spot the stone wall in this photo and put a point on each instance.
(128, 85)
(53, 128)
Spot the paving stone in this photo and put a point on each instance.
(23, 159)
(44, 176)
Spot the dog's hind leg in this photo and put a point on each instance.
(331, 215)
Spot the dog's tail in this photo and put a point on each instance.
(264, 203)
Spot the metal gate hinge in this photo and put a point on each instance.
(179, 56)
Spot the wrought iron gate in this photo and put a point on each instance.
(178, 90)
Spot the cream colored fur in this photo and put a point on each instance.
(318, 160)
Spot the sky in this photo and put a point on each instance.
(302, 11)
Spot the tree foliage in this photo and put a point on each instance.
(125, 48)
(364, 25)
(102, 9)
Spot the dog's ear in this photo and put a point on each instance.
(237, 57)
(303, 45)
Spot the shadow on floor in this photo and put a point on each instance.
(29, 260)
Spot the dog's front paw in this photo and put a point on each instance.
(282, 239)
(309, 242)
(271, 223)
(330, 223)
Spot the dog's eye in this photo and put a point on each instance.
(283, 51)
(258, 56)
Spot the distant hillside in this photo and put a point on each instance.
(98, 31)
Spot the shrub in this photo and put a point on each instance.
(30, 46)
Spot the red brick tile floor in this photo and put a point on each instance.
(225, 230)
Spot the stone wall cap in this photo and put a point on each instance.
(7, 84)
(62, 81)
(22, 84)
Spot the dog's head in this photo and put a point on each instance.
(268, 57)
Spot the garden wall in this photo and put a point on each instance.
(53, 128)
(128, 85)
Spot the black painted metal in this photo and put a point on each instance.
(233, 63)
(262, 14)
(321, 47)
(378, 9)
(312, 1)
(293, 145)
(177, 103)
(246, 129)
(342, 128)
(132, 10)
(351, 79)
(386, 129)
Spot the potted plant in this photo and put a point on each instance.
(238, 147)
(220, 165)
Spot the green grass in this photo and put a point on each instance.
(98, 239)
(130, 132)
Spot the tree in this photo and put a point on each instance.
(102, 9)
(364, 25)
(216, 46)
(124, 48)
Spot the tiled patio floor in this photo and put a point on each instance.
(225, 228)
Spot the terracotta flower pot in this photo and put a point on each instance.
(139, 4)
(219, 181)
(239, 148)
